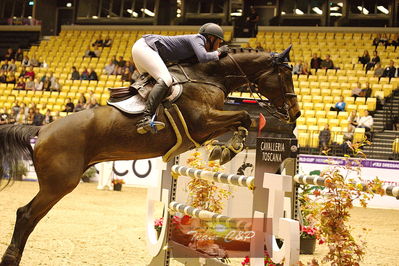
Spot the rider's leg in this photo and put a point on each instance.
(155, 97)
(148, 60)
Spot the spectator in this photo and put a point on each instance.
(20, 118)
(121, 62)
(9, 54)
(4, 66)
(114, 60)
(297, 69)
(327, 63)
(30, 73)
(130, 66)
(259, 46)
(315, 62)
(107, 42)
(30, 84)
(30, 116)
(85, 74)
(390, 71)
(92, 74)
(38, 85)
(23, 72)
(25, 62)
(89, 53)
(46, 83)
(48, 118)
(97, 51)
(324, 139)
(33, 62)
(109, 69)
(15, 108)
(366, 91)
(55, 85)
(394, 41)
(19, 55)
(378, 70)
(83, 98)
(366, 121)
(20, 84)
(127, 75)
(93, 103)
(352, 120)
(38, 118)
(356, 91)
(11, 77)
(3, 76)
(376, 40)
(12, 66)
(69, 106)
(365, 58)
(376, 59)
(339, 106)
(80, 105)
(98, 42)
(252, 21)
(305, 69)
(75, 74)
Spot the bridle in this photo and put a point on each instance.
(280, 112)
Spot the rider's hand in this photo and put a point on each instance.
(223, 50)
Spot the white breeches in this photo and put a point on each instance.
(148, 60)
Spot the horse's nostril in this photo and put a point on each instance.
(298, 114)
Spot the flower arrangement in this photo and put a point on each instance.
(308, 232)
(118, 181)
(158, 223)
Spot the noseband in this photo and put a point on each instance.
(280, 112)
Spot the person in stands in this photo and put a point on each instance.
(339, 106)
(151, 52)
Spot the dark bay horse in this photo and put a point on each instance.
(67, 147)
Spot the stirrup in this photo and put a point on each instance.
(146, 125)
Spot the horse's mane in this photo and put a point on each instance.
(235, 50)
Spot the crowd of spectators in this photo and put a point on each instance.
(82, 104)
(86, 74)
(121, 67)
(22, 114)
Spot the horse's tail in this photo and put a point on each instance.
(14, 147)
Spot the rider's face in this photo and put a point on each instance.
(216, 44)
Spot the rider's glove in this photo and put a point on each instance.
(223, 50)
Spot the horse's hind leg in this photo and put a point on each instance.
(53, 187)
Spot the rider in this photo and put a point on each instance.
(151, 52)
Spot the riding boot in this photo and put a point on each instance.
(155, 97)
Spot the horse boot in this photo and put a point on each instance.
(155, 97)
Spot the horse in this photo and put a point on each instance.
(66, 147)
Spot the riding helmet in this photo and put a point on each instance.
(211, 29)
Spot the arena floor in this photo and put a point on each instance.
(91, 227)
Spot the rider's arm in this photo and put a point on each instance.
(198, 45)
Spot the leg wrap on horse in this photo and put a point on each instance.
(155, 97)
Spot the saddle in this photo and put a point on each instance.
(132, 99)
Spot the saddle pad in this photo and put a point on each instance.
(136, 103)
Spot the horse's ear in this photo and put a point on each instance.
(285, 55)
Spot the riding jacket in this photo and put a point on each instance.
(180, 47)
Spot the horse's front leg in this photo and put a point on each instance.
(224, 121)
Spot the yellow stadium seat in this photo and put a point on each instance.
(314, 141)
(317, 98)
(349, 100)
(343, 115)
(320, 114)
(371, 104)
(351, 107)
(346, 93)
(327, 99)
(395, 145)
(331, 114)
(301, 129)
(321, 122)
(360, 100)
(311, 121)
(319, 106)
(335, 86)
(322, 78)
(333, 122)
(303, 139)
(359, 135)
(309, 113)
(307, 98)
(336, 93)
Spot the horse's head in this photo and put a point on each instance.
(275, 83)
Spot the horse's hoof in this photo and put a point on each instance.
(226, 156)
(9, 260)
(215, 154)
